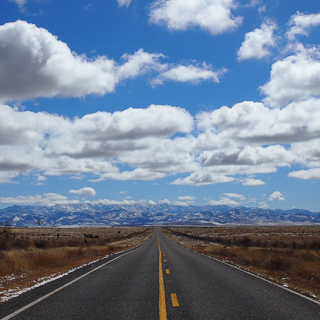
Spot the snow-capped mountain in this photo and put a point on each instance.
(147, 214)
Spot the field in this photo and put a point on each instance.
(289, 256)
(29, 256)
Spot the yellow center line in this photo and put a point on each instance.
(174, 299)
(167, 271)
(162, 297)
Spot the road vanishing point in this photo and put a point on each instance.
(160, 280)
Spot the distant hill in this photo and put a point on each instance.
(147, 214)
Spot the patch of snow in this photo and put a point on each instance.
(13, 293)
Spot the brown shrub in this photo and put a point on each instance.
(279, 263)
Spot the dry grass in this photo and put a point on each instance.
(289, 256)
(32, 254)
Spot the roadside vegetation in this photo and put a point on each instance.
(30, 254)
(289, 256)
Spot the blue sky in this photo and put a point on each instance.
(177, 101)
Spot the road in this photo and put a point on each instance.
(160, 280)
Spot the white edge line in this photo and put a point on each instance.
(67, 284)
(248, 272)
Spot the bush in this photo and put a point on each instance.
(42, 244)
(278, 264)
(6, 235)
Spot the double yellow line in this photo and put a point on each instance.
(162, 297)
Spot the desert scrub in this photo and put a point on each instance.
(20, 261)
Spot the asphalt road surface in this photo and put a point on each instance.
(160, 280)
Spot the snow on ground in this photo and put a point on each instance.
(6, 295)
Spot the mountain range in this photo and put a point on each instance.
(150, 214)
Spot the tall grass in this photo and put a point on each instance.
(19, 261)
(22, 253)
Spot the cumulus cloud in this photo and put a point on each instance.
(295, 78)
(52, 199)
(7, 175)
(203, 177)
(213, 16)
(34, 63)
(47, 199)
(235, 195)
(257, 43)
(309, 174)
(276, 196)
(263, 205)
(40, 179)
(224, 201)
(300, 24)
(186, 198)
(94, 143)
(85, 192)
(250, 139)
(255, 123)
(219, 146)
(189, 73)
(253, 182)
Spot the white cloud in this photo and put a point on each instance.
(165, 201)
(40, 179)
(186, 198)
(57, 145)
(185, 201)
(257, 43)
(263, 205)
(253, 182)
(250, 139)
(235, 195)
(51, 199)
(276, 196)
(295, 78)
(47, 199)
(309, 174)
(210, 15)
(34, 63)
(300, 24)
(189, 73)
(85, 192)
(124, 3)
(223, 201)
(229, 144)
(254, 123)
(7, 175)
(203, 177)
(136, 174)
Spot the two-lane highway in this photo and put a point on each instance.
(160, 280)
(209, 289)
